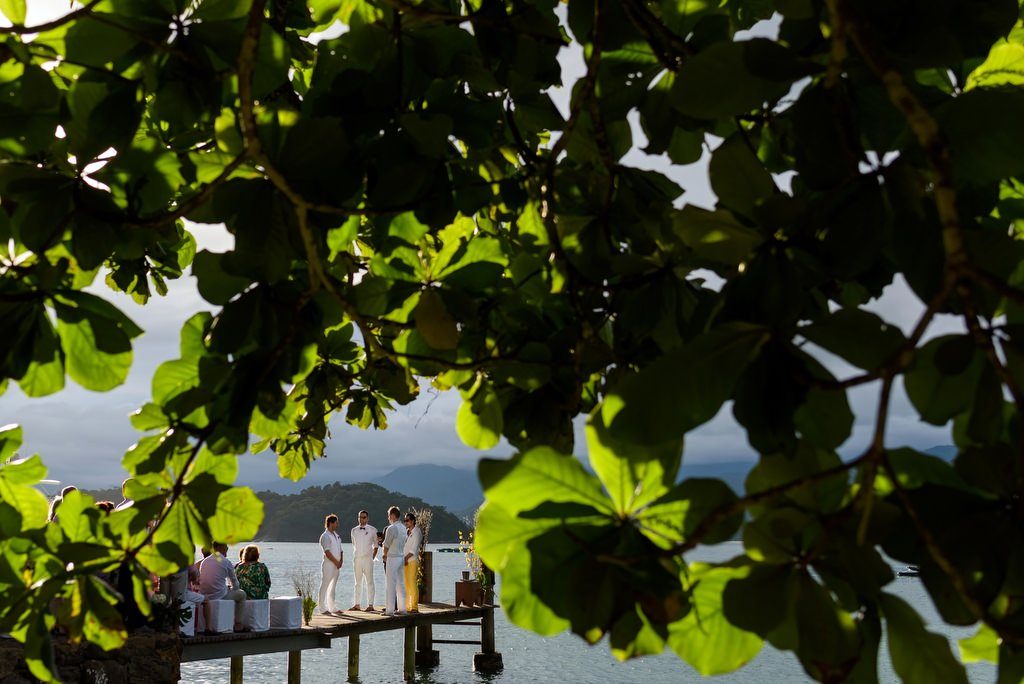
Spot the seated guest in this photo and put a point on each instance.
(253, 576)
(218, 582)
(180, 588)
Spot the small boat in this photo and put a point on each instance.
(909, 571)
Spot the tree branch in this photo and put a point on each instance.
(46, 26)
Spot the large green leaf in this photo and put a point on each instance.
(715, 236)
(238, 517)
(918, 656)
(633, 475)
(96, 338)
(14, 10)
(537, 477)
(757, 71)
(500, 541)
(738, 177)
(479, 420)
(672, 518)
(859, 336)
(683, 389)
(941, 381)
(705, 638)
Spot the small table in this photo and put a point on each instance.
(467, 592)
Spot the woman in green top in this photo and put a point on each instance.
(253, 576)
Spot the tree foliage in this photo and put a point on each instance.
(407, 202)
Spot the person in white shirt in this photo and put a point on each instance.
(330, 542)
(217, 581)
(394, 547)
(364, 550)
(411, 559)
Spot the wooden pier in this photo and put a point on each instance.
(351, 625)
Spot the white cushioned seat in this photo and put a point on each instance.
(220, 616)
(286, 612)
(256, 614)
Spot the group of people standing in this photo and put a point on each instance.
(400, 545)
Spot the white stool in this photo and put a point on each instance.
(189, 628)
(220, 616)
(256, 614)
(286, 612)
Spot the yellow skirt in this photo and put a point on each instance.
(412, 586)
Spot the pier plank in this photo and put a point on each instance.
(321, 631)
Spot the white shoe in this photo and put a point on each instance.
(389, 612)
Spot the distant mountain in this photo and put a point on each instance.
(944, 451)
(300, 517)
(457, 490)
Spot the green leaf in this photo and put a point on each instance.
(434, 322)
(704, 638)
(715, 236)
(914, 469)
(757, 71)
(215, 284)
(673, 517)
(238, 517)
(982, 647)
(479, 420)
(774, 470)
(1003, 66)
(97, 346)
(501, 543)
(539, 476)
(859, 336)
(26, 471)
(918, 656)
(941, 381)
(11, 437)
(633, 475)
(14, 10)
(683, 389)
(989, 151)
(738, 177)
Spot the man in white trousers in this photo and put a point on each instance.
(394, 545)
(364, 550)
(330, 542)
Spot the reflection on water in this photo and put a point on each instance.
(527, 657)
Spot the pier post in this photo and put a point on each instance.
(353, 658)
(426, 656)
(294, 667)
(488, 659)
(410, 653)
(236, 669)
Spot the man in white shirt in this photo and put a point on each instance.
(364, 550)
(217, 581)
(330, 542)
(394, 547)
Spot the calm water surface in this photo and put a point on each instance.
(527, 657)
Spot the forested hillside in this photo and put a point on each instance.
(300, 517)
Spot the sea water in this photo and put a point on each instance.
(565, 659)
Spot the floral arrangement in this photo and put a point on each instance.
(468, 548)
(305, 582)
(424, 518)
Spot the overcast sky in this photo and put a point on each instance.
(82, 435)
